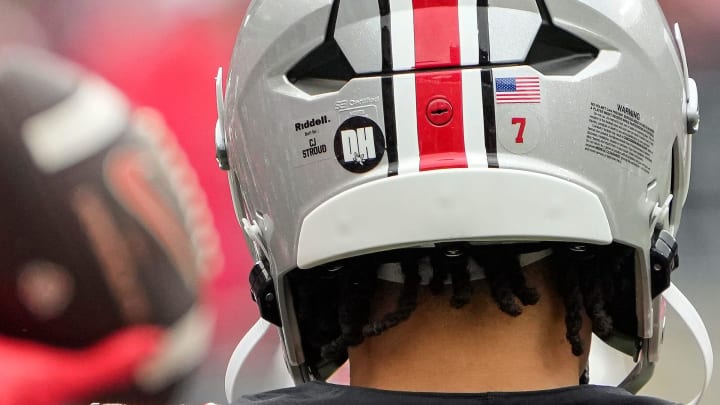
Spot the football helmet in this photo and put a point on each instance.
(356, 127)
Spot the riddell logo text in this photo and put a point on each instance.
(299, 126)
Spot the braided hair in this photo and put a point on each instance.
(334, 308)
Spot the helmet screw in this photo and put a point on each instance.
(453, 252)
(334, 269)
(439, 111)
(270, 297)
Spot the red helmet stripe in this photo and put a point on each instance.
(437, 44)
(417, 144)
(437, 33)
(441, 147)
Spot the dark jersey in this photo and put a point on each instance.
(323, 393)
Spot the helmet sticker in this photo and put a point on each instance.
(312, 136)
(620, 135)
(521, 121)
(518, 90)
(359, 144)
(317, 137)
(521, 131)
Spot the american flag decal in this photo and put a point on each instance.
(518, 90)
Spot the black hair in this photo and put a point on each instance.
(334, 309)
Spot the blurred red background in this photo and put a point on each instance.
(165, 54)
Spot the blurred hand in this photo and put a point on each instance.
(36, 374)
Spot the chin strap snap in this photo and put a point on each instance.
(257, 364)
(262, 287)
(664, 260)
(262, 290)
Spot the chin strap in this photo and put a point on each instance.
(258, 363)
(694, 323)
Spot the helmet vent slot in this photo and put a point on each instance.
(553, 52)
(327, 61)
(556, 51)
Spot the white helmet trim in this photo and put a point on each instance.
(443, 205)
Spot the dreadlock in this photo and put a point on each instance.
(586, 280)
(353, 312)
(407, 302)
(507, 281)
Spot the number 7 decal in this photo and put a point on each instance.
(521, 131)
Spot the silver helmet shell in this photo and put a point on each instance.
(354, 127)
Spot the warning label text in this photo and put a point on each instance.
(619, 135)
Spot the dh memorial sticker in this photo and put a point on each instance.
(359, 144)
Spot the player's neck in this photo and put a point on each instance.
(475, 349)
